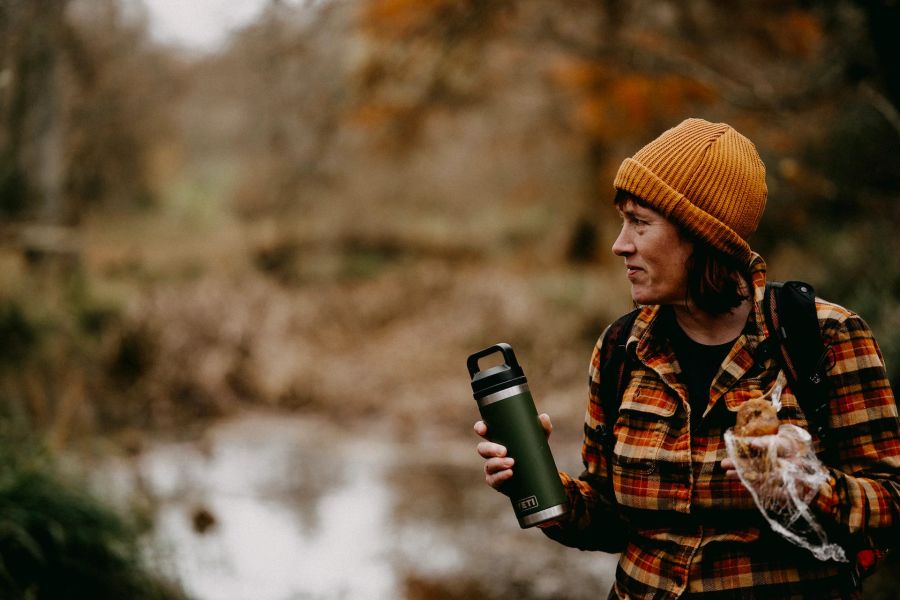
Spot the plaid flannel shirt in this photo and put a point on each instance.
(682, 527)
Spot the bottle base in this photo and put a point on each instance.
(543, 515)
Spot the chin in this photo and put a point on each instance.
(641, 297)
(641, 300)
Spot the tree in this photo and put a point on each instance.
(31, 96)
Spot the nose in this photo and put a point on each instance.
(623, 245)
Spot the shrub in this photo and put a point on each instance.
(57, 541)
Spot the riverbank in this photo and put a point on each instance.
(303, 507)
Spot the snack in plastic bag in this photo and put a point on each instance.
(756, 417)
(783, 487)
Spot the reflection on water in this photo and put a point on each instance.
(296, 508)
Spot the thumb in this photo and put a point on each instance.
(544, 418)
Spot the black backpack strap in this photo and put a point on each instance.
(613, 363)
(790, 312)
(796, 342)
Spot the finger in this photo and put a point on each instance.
(783, 448)
(481, 428)
(495, 466)
(729, 466)
(496, 480)
(490, 450)
(790, 448)
(544, 418)
(497, 472)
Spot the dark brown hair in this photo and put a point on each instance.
(716, 283)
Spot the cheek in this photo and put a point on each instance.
(682, 255)
(675, 269)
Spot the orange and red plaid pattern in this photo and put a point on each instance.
(683, 529)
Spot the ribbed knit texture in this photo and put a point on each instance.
(707, 178)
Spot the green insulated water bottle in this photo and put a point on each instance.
(506, 406)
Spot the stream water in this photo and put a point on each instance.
(269, 507)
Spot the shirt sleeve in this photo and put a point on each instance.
(594, 522)
(862, 498)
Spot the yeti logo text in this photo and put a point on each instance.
(527, 503)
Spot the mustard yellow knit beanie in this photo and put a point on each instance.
(705, 177)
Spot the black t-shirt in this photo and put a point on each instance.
(699, 364)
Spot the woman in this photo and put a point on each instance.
(671, 502)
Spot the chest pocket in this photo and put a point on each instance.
(645, 419)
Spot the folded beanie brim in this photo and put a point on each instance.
(636, 179)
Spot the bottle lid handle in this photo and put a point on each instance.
(509, 357)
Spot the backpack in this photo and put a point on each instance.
(795, 341)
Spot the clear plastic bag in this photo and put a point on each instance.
(783, 487)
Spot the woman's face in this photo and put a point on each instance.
(655, 254)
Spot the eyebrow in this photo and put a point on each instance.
(631, 209)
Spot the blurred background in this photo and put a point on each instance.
(245, 249)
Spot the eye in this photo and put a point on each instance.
(636, 220)
(633, 219)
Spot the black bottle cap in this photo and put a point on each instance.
(498, 377)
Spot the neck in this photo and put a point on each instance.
(709, 329)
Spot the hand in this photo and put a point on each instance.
(788, 448)
(779, 466)
(497, 465)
